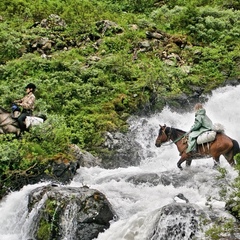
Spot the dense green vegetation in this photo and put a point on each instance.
(91, 77)
(98, 95)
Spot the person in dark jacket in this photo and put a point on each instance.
(202, 123)
(27, 104)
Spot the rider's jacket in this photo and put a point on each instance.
(27, 102)
(201, 124)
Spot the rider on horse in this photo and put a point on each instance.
(201, 124)
(27, 103)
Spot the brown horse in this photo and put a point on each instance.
(7, 123)
(222, 145)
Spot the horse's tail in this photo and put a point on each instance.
(236, 148)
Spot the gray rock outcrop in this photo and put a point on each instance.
(60, 212)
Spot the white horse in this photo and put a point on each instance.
(8, 124)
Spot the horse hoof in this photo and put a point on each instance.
(180, 168)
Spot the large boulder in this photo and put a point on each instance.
(179, 221)
(67, 213)
(120, 150)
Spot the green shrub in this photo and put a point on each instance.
(10, 158)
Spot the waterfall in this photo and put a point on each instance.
(138, 205)
(15, 224)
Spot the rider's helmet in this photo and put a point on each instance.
(32, 86)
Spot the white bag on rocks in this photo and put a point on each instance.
(205, 137)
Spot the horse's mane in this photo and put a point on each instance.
(176, 131)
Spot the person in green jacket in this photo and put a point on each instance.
(202, 123)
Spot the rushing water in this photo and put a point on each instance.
(137, 205)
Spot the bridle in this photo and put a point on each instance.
(169, 136)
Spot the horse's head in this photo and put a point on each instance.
(163, 136)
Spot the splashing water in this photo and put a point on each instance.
(138, 205)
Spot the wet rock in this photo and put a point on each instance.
(84, 159)
(178, 221)
(151, 178)
(63, 169)
(166, 180)
(180, 198)
(67, 212)
(64, 172)
(120, 151)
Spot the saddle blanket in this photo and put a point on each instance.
(205, 137)
(33, 121)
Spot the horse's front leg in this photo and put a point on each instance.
(181, 160)
(216, 162)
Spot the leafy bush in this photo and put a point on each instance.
(136, 6)
(39, 147)
(10, 157)
(203, 24)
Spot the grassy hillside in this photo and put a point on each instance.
(97, 62)
(95, 75)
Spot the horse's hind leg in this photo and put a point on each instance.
(188, 162)
(18, 134)
(230, 158)
(230, 155)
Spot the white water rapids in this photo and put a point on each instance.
(137, 205)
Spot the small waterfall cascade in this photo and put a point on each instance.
(15, 222)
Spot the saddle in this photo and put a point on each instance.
(15, 114)
(206, 137)
(16, 111)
